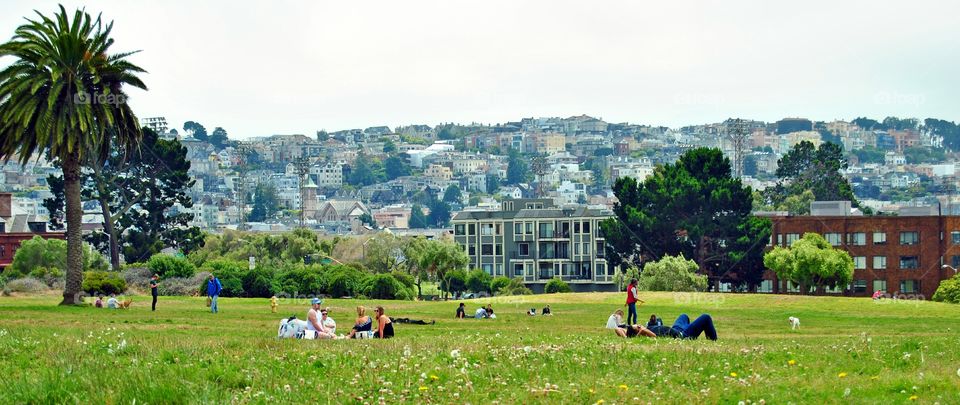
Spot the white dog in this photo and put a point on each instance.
(794, 322)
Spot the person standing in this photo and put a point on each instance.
(632, 302)
(213, 291)
(154, 283)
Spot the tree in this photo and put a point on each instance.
(384, 252)
(219, 138)
(265, 202)
(452, 195)
(948, 130)
(63, 95)
(556, 286)
(366, 218)
(50, 254)
(672, 273)
(363, 173)
(811, 262)
(395, 167)
(517, 169)
(322, 135)
(948, 291)
(695, 208)
(417, 219)
(433, 258)
(439, 214)
(816, 169)
(153, 175)
(199, 132)
(868, 124)
(478, 281)
(493, 184)
(389, 147)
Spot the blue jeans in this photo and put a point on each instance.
(632, 313)
(692, 330)
(213, 303)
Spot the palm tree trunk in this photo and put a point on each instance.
(111, 231)
(74, 211)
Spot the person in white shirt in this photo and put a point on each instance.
(314, 322)
(328, 323)
(481, 313)
(615, 322)
(112, 303)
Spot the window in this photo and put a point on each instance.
(518, 270)
(499, 269)
(524, 249)
(576, 248)
(880, 285)
(458, 229)
(909, 286)
(857, 239)
(909, 238)
(766, 286)
(879, 238)
(832, 238)
(792, 237)
(472, 250)
(586, 227)
(499, 249)
(779, 239)
(486, 229)
(955, 261)
(859, 262)
(770, 240)
(576, 227)
(909, 262)
(955, 237)
(859, 286)
(529, 228)
(546, 230)
(586, 248)
(488, 268)
(472, 229)
(499, 228)
(518, 228)
(879, 262)
(486, 249)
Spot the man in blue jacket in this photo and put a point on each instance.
(213, 291)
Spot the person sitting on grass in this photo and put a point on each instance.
(328, 323)
(615, 322)
(461, 311)
(99, 302)
(384, 325)
(654, 321)
(362, 326)
(546, 310)
(112, 302)
(684, 329)
(532, 312)
(490, 313)
(481, 313)
(314, 323)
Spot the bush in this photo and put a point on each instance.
(478, 281)
(103, 282)
(24, 285)
(170, 266)
(258, 283)
(455, 282)
(230, 274)
(949, 291)
(386, 287)
(343, 281)
(49, 276)
(405, 279)
(671, 273)
(556, 286)
(183, 286)
(514, 287)
(498, 283)
(51, 254)
(300, 279)
(137, 277)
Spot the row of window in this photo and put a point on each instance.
(547, 229)
(880, 262)
(548, 250)
(858, 286)
(858, 238)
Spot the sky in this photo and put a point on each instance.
(296, 67)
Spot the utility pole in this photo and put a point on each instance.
(303, 167)
(737, 134)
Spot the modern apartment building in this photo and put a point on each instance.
(903, 254)
(537, 241)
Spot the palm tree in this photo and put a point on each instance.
(63, 96)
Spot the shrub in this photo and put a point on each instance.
(405, 279)
(455, 282)
(183, 286)
(49, 276)
(386, 287)
(498, 283)
(258, 283)
(137, 277)
(556, 286)
(478, 281)
(949, 291)
(103, 282)
(300, 279)
(52, 254)
(230, 274)
(343, 281)
(24, 285)
(170, 266)
(671, 273)
(515, 287)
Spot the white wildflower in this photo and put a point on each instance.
(455, 353)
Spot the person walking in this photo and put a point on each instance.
(154, 283)
(632, 302)
(213, 291)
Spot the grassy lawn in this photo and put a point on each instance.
(848, 351)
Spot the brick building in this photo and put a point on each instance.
(896, 254)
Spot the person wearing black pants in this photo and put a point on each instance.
(154, 282)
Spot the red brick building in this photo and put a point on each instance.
(16, 229)
(894, 254)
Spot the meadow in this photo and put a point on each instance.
(848, 350)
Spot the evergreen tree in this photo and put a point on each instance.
(417, 219)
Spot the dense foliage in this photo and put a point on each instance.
(556, 286)
(671, 273)
(949, 290)
(811, 262)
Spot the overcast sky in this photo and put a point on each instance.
(283, 67)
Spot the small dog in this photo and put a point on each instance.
(794, 322)
(126, 304)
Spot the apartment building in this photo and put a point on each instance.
(534, 240)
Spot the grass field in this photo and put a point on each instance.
(848, 351)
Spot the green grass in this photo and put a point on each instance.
(848, 351)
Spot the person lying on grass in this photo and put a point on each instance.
(684, 329)
(615, 322)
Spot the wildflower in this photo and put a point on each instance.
(842, 375)
(876, 377)
(734, 375)
(591, 391)
(599, 401)
(914, 397)
(455, 353)
(422, 388)
(624, 387)
(792, 362)
(434, 378)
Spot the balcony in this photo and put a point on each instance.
(554, 235)
(516, 255)
(552, 255)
